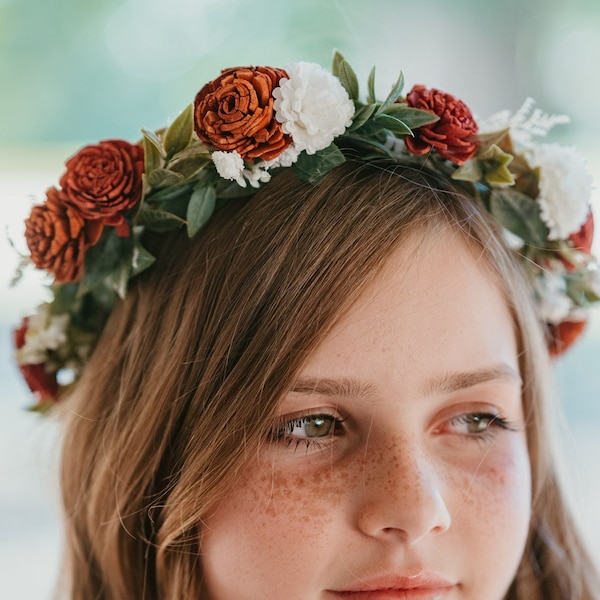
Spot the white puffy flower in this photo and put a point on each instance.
(256, 175)
(565, 188)
(554, 303)
(229, 165)
(395, 145)
(312, 106)
(286, 159)
(44, 332)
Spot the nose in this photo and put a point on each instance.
(403, 494)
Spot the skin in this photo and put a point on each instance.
(422, 491)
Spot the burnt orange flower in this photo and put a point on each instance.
(235, 113)
(452, 135)
(105, 180)
(41, 382)
(562, 336)
(582, 239)
(57, 236)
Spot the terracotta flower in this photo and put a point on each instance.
(582, 239)
(105, 180)
(235, 113)
(452, 135)
(562, 336)
(57, 236)
(38, 379)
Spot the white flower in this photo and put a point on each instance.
(396, 146)
(312, 106)
(565, 188)
(229, 165)
(554, 303)
(44, 332)
(256, 175)
(286, 159)
(526, 123)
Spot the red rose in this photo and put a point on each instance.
(57, 236)
(104, 180)
(235, 113)
(582, 239)
(452, 135)
(562, 336)
(39, 381)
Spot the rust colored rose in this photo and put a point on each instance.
(452, 135)
(582, 239)
(104, 180)
(57, 236)
(562, 336)
(235, 113)
(38, 379)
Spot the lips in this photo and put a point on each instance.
(422, 586)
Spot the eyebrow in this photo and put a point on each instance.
(447, 383)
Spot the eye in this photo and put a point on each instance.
(477, 423)
(311, 426)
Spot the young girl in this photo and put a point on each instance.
(339, 387)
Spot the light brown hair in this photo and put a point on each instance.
(183, 385)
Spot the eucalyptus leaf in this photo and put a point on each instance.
(412, 117)
(312, 167)
(362, 115)
(348, 79)
(393, 124)
(335, 63)
(118, 279)
(520, 214)
(469, 171)
(170, 193)
(393, 95)
(153, 158)
(162, 178)
(153, 139)
(141, 259)
(179, 133)
(200, 208)
(158, 220)
(371, 99)
(188, 167)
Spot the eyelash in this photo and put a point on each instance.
(282, 432)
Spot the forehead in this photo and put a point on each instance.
(435, 306)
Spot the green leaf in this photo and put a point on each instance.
(158, 220)
(412, 117)
(141, 259)
(335, 63)
(371, 99)
(108, 263)
(495, 166)
(162, 178)
(188, 167)
(520, 214)
(348, 79)
(469, 171)
(179, 133)
(153, 158)
(153, 139)
(361, 116)
(170, 193)
(312, 167)
(200, 208)
(393, 124)
(393, 95)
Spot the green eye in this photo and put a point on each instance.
(313, 426)
(478, 423)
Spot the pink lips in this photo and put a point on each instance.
(396, 587)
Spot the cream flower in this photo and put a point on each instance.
(312, 106)
(229, 165)
(554, 303)
(44, 332)
(565, 188)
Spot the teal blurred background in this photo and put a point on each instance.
(73, 72)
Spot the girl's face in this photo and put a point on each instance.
(399, 467)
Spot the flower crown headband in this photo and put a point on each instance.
(251, 121)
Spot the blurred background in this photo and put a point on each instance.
(73, 72)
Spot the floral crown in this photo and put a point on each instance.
(250, 122)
